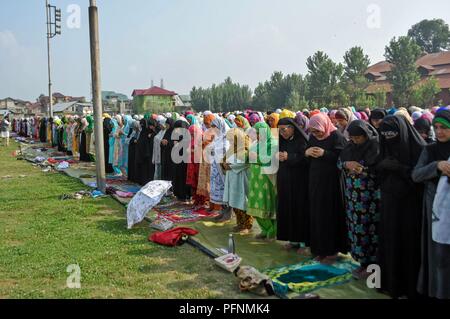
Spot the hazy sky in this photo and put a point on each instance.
(193, 42)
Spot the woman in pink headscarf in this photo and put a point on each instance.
(326, 206)
(364, 116)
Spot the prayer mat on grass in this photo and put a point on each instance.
(310, 275)
(262, 254)
(183, 214)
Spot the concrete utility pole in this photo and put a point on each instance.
(50, 106)
(53, 29)
(97, 96)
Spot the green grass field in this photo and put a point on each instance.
(40, 236)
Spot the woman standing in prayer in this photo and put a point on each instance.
(344, 117)
(423, 126)
(84, 155)
(237, 166)
(204, 171)
(180, 188)
(118, 146)
(218, 149)
(262, 196)
(69, 132)
(302, 121)
(401, 207)
(144, 151)
(193, 167)
(434, 275)
(292, 184)
(242, 123)
(43, 130)
(107, 129)
(362, 193)
(132, 139)
(376, 118)
(156, 156)
(128, 120)
(273, 119)
(326, 199)
(167, 164)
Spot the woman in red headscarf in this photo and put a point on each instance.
(328, 229)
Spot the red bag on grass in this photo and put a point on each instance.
(172, 237)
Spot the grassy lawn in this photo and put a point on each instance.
(41, 235)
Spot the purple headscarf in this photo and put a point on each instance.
(302, 120)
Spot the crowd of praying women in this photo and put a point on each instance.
(370, 183)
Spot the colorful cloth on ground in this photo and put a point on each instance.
(309, 276)
(243, 220)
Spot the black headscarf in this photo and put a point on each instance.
(170, 123)
(367, 152)
(406, 145)
(440, 151)
(298, 132)
(377, 114)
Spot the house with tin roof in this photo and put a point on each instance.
(428, 65)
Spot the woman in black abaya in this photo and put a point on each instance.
(292, 183)
(167, 165)
(401, 207)
(180, 189)
(107, 129)
(144, 151)
(326, 200)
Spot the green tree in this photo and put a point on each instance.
(424, 95)
(380, 98)
(431, 35)
(354, 80)
(224, 97)
(277, 91)
(323, 78)
(402, 53)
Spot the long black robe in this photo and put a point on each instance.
(180, 189)
(107, 129)
(293, 222)
(43, 130)
(61, 147)
(84, 156)
(326, 200)
(132, 167)
(145, 169)
(401, 208)
(167, 164)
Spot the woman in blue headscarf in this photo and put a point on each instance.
(128, 121)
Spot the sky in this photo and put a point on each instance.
(192, 42)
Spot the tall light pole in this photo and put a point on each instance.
(97, 96)
(53, 20)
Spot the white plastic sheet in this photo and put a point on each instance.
(148, 197)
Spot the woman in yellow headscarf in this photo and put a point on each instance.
(287, 114)
(273, 119)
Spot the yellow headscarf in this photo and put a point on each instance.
(287, 114)
(275, 118)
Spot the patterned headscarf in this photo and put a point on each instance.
(242, 122)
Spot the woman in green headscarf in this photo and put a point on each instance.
(262, 197)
